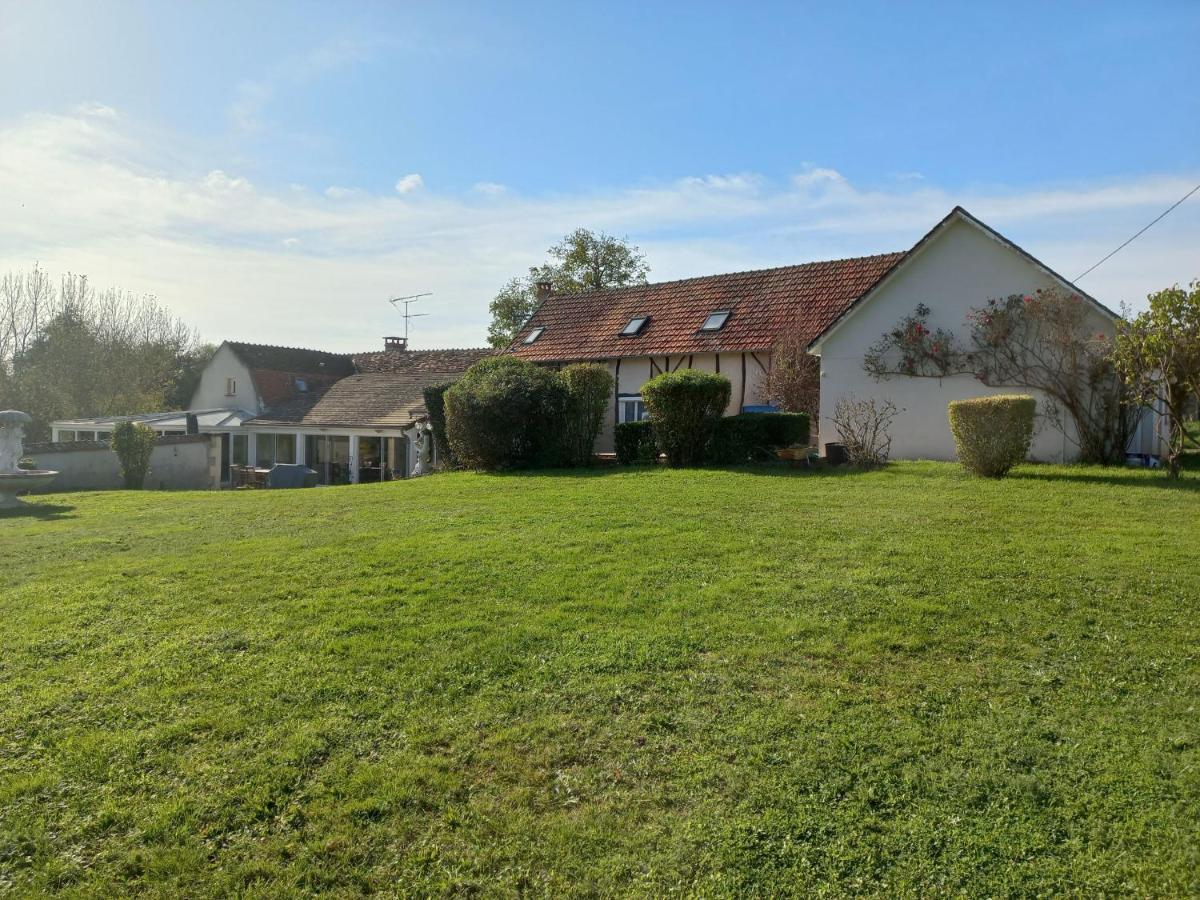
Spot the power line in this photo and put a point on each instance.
(1162, 216)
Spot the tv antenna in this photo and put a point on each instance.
(406, 315)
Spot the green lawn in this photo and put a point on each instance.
(640, 681)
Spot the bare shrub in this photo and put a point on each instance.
(863, 427)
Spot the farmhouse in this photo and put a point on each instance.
(348, 416)
(729, 324)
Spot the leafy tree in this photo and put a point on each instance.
(76, 351)
(510, 309)
(582, 261)
(1158, 353)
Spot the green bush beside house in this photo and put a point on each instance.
(755, 437)
(992, 434)
(686, 407)
(133, 443)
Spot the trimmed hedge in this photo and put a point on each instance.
(435, 405)
(754, 437)
(589, 385)
(685, 406)
(992, 434)
(506, 412)
(635, 443)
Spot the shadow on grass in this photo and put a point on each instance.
(45, 511)
(775, 469)
(1115, 476)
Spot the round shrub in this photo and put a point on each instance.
(685, 407)
(589, 386)
(992, 434)
(635, 443)
(133, 443)
(505, 413)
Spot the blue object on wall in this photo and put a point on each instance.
(760, 409)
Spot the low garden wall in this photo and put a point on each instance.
(179, 462)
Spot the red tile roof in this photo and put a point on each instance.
(763, 303)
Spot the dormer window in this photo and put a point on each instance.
(635, 326)
(534, 335)
(716, 321)
(302, 385)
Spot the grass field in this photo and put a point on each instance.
(709, 682)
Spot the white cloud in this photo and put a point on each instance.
(250, 261)
(409, 183)
(99, 110)
(489, 188)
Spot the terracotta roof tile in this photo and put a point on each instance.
(762, 303)
(387, 392)
(451, 360)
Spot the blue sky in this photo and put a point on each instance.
(258, 160)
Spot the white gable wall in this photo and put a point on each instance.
(960, 268)
(211, 393)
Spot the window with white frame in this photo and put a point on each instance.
(230, 387)
(632, 408)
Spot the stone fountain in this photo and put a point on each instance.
(15, 481)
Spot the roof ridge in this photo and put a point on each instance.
(286, 347)
(654, 284)
(436, 350)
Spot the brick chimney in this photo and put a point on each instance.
(395, 344)
(542, 290)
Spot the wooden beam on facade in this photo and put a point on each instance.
(742, 402)
(617, 394)
(754, 356)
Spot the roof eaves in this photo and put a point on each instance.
(961, 214)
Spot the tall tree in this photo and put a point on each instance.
(1158, 354)
(76, 351)
(582, 261)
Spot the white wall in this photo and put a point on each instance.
(637, 370)
(961, 268)
(192, 462)
(210, 392)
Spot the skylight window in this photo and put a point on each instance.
(636, 324)
(716, 321)
(534, 335)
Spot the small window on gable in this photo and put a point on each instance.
(716, 321)
(534, 335)
(635, 326)
(230, 387)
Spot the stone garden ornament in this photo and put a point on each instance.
(14, 480)
(424, 463)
